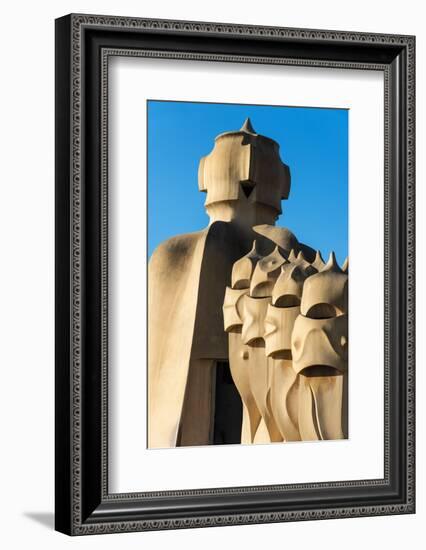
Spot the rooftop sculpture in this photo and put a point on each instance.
(245, 291)
(288, 348)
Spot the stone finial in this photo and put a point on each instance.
(318, 263)
(332, 264)
(247, 127)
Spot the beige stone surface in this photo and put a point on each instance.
(187, 278)
(277, 330)
(260, 379)
(303, 312)
(233, 308)
(254, 313)
(173, 275)
(239, 364)
(198, 405)
(285, 398)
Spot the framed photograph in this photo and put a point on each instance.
(234, 274)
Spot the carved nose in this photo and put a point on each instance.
(247, 187)
(315, 348)
(254, 318)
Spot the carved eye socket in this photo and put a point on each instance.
(287, 300)
(262, 290)
(322, 311)
(240, 284)
(319, 370)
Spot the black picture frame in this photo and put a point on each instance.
(83, 45)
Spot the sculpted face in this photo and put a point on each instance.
(221, 172)
(279, 322)
(254, 317)
(242, 270)
(266, 272)
(244, 165)
(288, 289)
(320, 335)
(320, 343)
(325, 294)
(233, 308)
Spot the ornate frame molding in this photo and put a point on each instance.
(84, 505)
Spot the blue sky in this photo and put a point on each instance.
(313, 142)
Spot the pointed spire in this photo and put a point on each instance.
(247, 127)
(318, 263)
(345, 267)
(253, 252)
(332, 264)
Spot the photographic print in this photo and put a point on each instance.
(247, 274)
